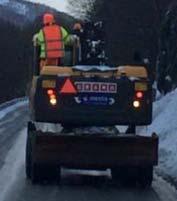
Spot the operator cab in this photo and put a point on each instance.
(89, 50)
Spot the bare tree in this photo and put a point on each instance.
(82, 8)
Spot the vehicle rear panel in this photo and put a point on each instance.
(98, 101)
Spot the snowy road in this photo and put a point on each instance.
(75, 185)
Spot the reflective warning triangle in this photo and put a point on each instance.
(68, 87)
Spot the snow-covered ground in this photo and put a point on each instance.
(165, 125)
(2, 2)
(11, 106)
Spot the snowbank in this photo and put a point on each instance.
(165, 125)
(10, 106)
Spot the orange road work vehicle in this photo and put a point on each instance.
(90, 103)
(78, 99)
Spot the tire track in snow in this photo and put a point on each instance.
(12, 166)
(10, 128)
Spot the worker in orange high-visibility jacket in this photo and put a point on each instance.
(52, 39)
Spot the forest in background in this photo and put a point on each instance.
(132, 27)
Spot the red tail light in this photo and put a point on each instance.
(139, 94)
(68, 87)
(50, 92)
(52, 97)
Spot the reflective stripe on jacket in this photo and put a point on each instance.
(51, 40)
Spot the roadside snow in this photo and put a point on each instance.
(6, 109)
(12, 169)
(165, 125)
(2, 2)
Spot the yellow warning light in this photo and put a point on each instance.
(53, 101)
(48, 84)
(136, 104)
(141, 86)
